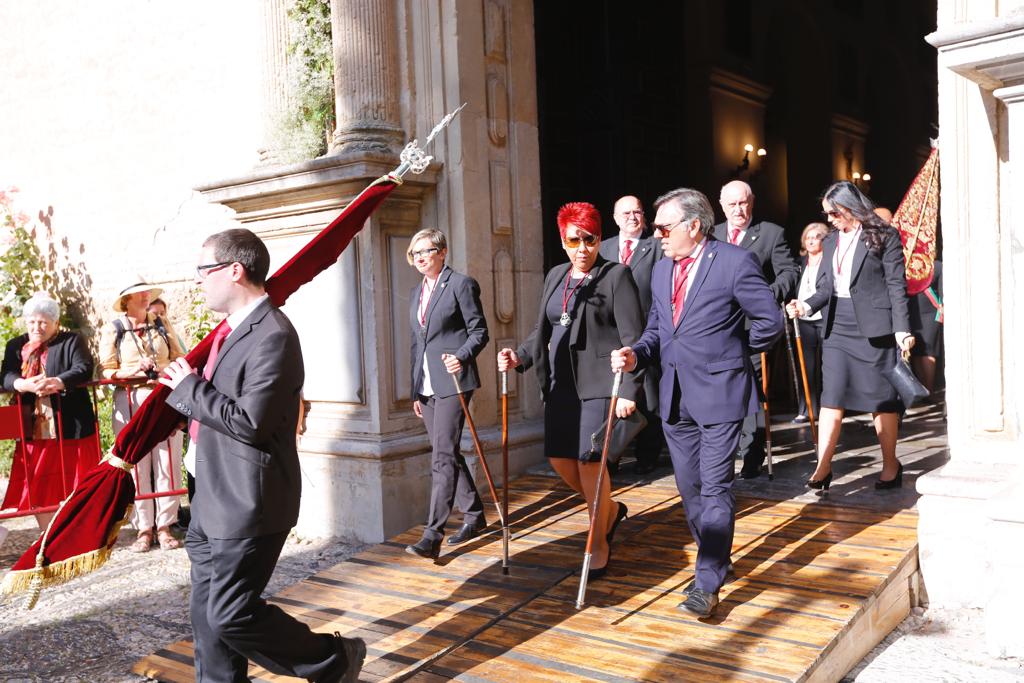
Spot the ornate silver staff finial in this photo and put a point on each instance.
(413, 157)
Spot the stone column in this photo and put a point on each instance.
(366, 77)
(971, 530)
(275, 73)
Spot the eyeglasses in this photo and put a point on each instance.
(586, 238)
(666, 229)
(424, 252)
(814, 237)
(638, 212)
(203, 271)
(832, 214)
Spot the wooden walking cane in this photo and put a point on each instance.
(504, 472)
(767, 415)
(479, 450)
(597, 490)
(789, 357)
(807, 386)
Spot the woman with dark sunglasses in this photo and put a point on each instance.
(589, 307)
(861, 290)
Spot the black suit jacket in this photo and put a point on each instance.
(645, 255)
(768, 243)
(247, 465)
(68, 359)
(455, 325)
(607, 317)
(878, 286)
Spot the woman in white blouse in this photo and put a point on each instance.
(861, 290)
(812, 329)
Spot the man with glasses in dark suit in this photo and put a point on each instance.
(633, 248)
(245, 409)
(767, 241)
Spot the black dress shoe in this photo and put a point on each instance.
(354, 650)
(467, 532)
(425, 548)
(645, 467)
(894, 483)
(620, 515)
(821, 484)
(750, 473)
(700, 602)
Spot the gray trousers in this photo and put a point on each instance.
(451, 481)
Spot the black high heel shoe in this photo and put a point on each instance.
(620, 515)
(425, 548)
(821, 484)
(894, 483)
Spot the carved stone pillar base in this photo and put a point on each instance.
(367, 142)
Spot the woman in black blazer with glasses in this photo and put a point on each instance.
(448, 332)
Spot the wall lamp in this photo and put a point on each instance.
(744, 164)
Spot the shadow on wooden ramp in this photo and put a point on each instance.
(817, 587)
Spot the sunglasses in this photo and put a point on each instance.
(586, 238)
(832, 214)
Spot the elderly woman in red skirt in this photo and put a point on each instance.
(46, 369)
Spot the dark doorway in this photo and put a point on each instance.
(610, 90)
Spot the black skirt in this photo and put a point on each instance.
(568, 421)
(852, 366)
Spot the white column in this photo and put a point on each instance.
(366, 77)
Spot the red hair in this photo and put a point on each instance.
(583, 215)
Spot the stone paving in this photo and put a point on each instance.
(94, 629)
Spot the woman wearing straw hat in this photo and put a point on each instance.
(136, 345)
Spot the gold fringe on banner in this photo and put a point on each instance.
(43, 576)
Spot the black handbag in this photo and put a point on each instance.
(902, 378)
(623, 433)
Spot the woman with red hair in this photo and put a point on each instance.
(589, 307)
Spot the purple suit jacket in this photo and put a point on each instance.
(708, 353)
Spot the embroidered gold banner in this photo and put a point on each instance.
(917, 219)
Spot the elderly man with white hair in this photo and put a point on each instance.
(767, 241)
(46, 369)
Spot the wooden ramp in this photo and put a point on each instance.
(818, 586)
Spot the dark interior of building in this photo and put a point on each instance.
(627, 94)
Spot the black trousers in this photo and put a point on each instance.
(812, 335)
(751, 444)
(232, 623)
(451, 482)
(650, 440)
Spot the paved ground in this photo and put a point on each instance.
(94, 629)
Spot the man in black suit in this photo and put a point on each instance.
(631, 248)
(768, 243)
(245, 408)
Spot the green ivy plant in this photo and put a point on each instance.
(304, 132)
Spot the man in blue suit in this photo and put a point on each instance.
(703, 291)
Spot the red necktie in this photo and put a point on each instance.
(218, 340)
(627, 252)
(679, 278)
(734, 236)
